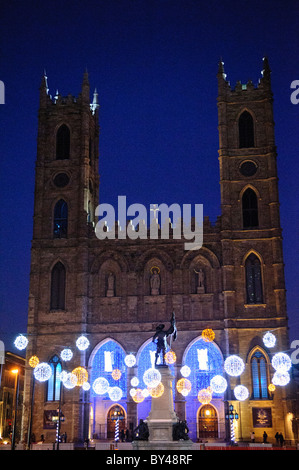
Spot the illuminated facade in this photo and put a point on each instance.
(234, 285)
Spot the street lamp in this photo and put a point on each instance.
(13, 440)
(232, 415)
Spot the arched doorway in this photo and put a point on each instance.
(114, 412)
(207, 422)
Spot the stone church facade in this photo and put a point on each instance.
(234, 284)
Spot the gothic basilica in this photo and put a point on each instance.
(115, 292)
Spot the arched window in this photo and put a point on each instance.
(259, 376)
(246, 130)
(54, 383)
(250, 209)
(60, 219)
(63, 143)
(58, 287)
(254, 291)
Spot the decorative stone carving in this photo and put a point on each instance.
(111, 285)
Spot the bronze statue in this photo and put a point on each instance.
(141, 433)
(160, 338)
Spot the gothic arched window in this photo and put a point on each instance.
(54, 383)
(58, 276)
(259, 375)
(63, 143)
(250, 209)
(246, 130)
(60, 219)
(254, 290)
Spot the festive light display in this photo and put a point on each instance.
(81, 374)
(170, 357)
(42, 372)
(100, 386)
(241, 392)
(185, 371)
(271, 387)
(269, 340)
(115, 393)
(63, 375)
(281, 362)
(218, 384)
(234, 365)
(86, 386)
(130, 360)
(82, 343)
(138, 396)
(208, 335)
(33, 361)
(183, 386)
(134, 381)
(145, 393)
(66, 354)
(70, 381)
(116, 374)
(157, 391)
(152, 377)
(21, 342)
(281, 378)
(204, 396)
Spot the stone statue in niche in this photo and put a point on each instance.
(200, 281)
(111, 285)
(155, 281)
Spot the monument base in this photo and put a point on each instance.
(162, 445)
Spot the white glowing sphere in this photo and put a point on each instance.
(70, 381)
(281, 362)
(21, 342)
(185, 371)
(100, 385)
(269, 340)
(66, 354)
(145, 393)
(133, 392)
(234, 365)
(82, 343)
(130, 360)
(281, 378)
(86, 386)
(63, 375)
(241, 392)
(218, 384)
(115, 393)
(134, 381)
(42, 372)
(152, 377)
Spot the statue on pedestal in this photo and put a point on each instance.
(180, 431)
(200, 281)
(141, 433)
(160, 338)
(155, 282)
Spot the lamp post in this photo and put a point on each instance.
(13, 440)
(231, 416)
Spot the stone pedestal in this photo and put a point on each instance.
(161, 419)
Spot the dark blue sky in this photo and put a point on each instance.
(154, 64)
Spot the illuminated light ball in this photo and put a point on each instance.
(157, 391)
(82, 343)
(21, 342)
(63, 375)
(100, 385)
(170, 357)
(86, 386)
(185, 371)
(183, 386)
(152, 377)
(130, 360)
(218, 384)
(138, 396)
(66, 354)
(81, 374)
(204, 396)
(271, 388)
(269, 340)
(133, 392)
(281, 378)
(116, 374)
(208, 335)
(134, 381)
(42, 372)
(241, 392)
(33, 361)
(145, 392)
(281, 362)
(234, 365)
(70, 381)
(115, 393)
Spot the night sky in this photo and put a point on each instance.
(154, 64)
